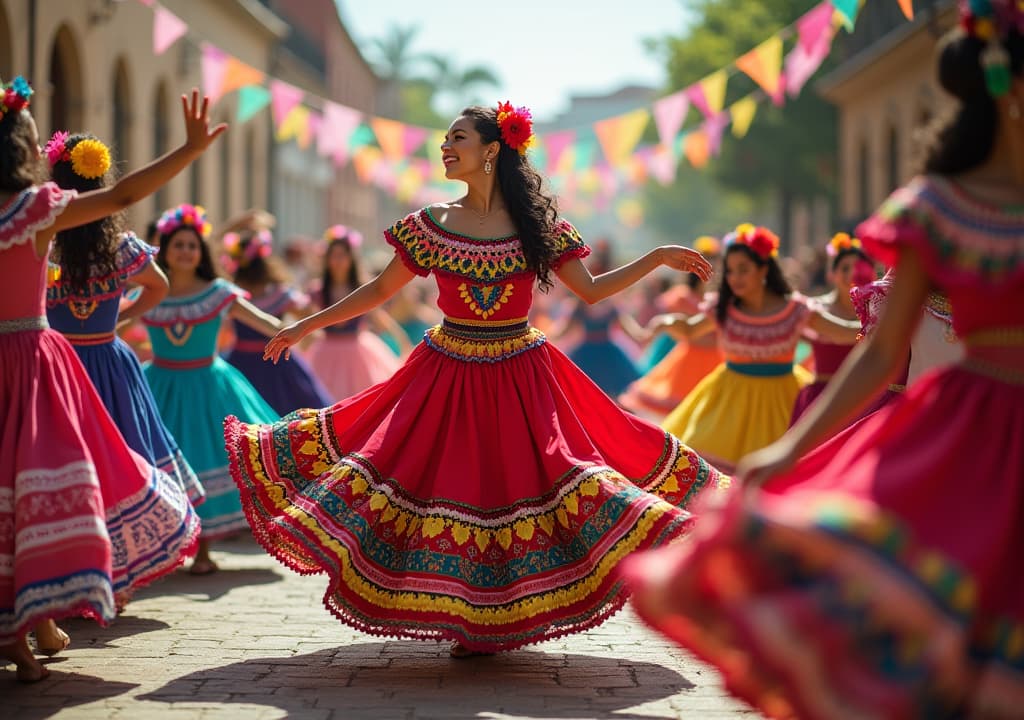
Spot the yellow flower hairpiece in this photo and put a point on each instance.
(707, 245)
(90, 159)
(841, 242)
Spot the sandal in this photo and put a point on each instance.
(203, 567)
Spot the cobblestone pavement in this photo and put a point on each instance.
(254, 642)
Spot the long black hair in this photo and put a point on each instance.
(91, 248)
(963, 138)
(774, 281)
(354, 273)
(206, 270)
(533, 211)
(21, 165)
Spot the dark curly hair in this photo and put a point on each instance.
(21, 165)
(91, 248)
(355, 274)
(963, 138)
(774, 280)
(258, 270)
(533, 211)
(206, 269)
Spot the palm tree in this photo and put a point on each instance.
(458, 85)
(394, 61)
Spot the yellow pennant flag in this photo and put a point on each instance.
(713, 87)
(619, 135)
(365, 161)
(237, 75)
(697, 148)
(390, 135)
(295, 125)
(433, 146)
(764, 64)
(742, 112)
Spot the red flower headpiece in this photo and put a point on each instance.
(516, 126)
(761, 240)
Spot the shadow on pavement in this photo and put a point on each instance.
(207, 588)
(87, 633)
(63, 691)
(410, 679)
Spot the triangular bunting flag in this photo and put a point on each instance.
(662, 165)
(413, 136)
(339, 122)
(709, 94)
(167, 28)
(619, 135)
(283, 98)
(214, 61)
(801, 64)
(251, 99)
(365, 160)
(714, 127)
(556, 144)
(237, 74)
(583, 151)
(742, 112)
(814, 25)
(696, 149)
(764, 64)
(390, 137)
(295, 125)
(847, 11)
(434, 154)
(669, 115)
(907, 6)
(361, 136)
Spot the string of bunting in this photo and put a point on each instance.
(595, 160)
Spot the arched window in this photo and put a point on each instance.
(65, 84)
(161, 133)
(121, 137)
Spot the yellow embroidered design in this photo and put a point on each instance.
(485, 300)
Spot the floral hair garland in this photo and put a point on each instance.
(184, 215)
(261, 244)
(516, 126)
(762, 241)
(17, 94)
(991, 21)
(841, 242)
(342, 232)
(89, 157)
(707, 245)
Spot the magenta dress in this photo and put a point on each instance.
(82, 517)
(827, 359)
(886, 582)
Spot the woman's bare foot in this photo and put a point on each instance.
(29, 669)
(50, 639)
(460, 651)
(203, 563)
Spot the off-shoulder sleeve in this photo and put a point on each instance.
(568, 244)
(868, 301)
(30, 211)
(413, 244)
(133, 255)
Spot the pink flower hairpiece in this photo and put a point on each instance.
(56, 147)
(184, 215)
(261, 244)
(342, 232)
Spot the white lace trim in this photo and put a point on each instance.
(23, 205)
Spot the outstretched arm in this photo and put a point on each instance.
(833, 328)
(865, 372)
(592, 289)
(245, 312)
(361, 300)
(682, 327)
(134, 186)
(154, 289)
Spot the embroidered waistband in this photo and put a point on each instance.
(254, 346)
(1011, 375)
(89, 338)
(498, 330)
(761, 369)
(996, 337)
(182, 364)
(23, 324)
(482, 348)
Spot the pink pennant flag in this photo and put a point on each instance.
(815, 25)
(669, 114)
(714, 126)
(339, 122)
(801, 64)
(662, 165)
(283, 99)
(413, 137)
(167, 28)
(214, 63)
(556, 144)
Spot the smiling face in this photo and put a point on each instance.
(463, 151)
(184, 251)
(745, 277)
(842, 274)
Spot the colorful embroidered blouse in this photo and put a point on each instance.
(95, 308)
(22, 274)
(769, 339)
(185, 328)
(478, 279)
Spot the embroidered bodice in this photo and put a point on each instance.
(276, 301)
(185, 328)
(771, 338)
(22, 274)
(477, 279)
(95, 308)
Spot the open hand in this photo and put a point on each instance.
(198, 134)
(282, 342)
(758, 467)
(686, 260)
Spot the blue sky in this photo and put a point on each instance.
(541, 50)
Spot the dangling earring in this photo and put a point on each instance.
(488, 167)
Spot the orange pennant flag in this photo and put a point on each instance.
(619, 135)
(697, 148)
(365, 160)
(390, 136)
(237, 75)
(907, 6)
(764, 64)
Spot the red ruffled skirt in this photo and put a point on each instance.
(880, 579)
(486, 493)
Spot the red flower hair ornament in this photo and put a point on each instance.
(516, 126)
(762, 241)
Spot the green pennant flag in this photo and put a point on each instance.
(363, 135)
(847, 10)
(251, 99)
(585, 149)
